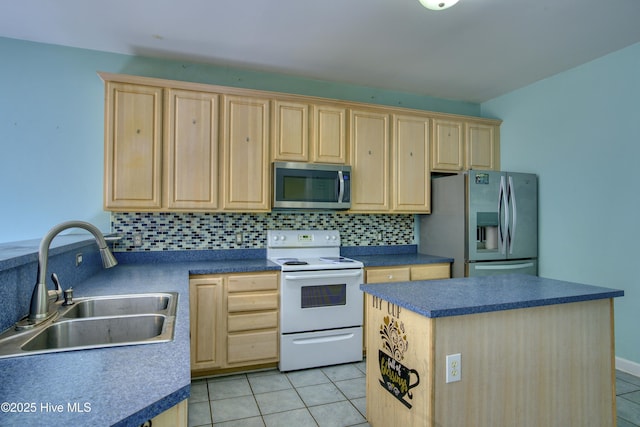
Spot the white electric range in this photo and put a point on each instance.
(320, 299)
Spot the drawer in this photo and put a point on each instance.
(431, 271)
(252, 302)
(252, 347)
(391, 274)
(253, 282)
(252, 321)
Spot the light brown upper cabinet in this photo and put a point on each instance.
(369, 142)
(483, 146)
(462, 144)
(290, 141)
(305, 132)
(133, 146)
(329, 136)
(411, 177)
(182, 146)
(191, 150)
(245, 147)
(447, 145)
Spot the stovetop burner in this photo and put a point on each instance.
(335, 259)
(307, 250)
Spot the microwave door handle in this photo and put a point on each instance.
(340, 187)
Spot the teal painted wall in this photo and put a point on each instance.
(578, 131)
(51, 125)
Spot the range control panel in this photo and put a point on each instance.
(302, 238)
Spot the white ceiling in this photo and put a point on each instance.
(474, 51)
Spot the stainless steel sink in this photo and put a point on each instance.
(101, 332)
(120, 305)
(98, 322)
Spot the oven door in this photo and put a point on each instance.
(320, 299)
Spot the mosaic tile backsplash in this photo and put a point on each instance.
(161, 231)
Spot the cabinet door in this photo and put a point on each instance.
(191, 154)
(133, 150)
(329, 134)
(448, 146)
(483, 147)
(290, 140)
(387, 274)
(254, 347)
(245, 147)
(175, 416)
(410, 169)
(431, 271)
(370, 161)
(208, 327)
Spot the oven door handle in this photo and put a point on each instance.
(321, 276)
(325, 339)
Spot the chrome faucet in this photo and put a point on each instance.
(39, 309)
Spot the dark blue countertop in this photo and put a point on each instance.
(400, 259)
(128, 385)
(470, 295)
(121, 385)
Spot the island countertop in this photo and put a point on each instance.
(470, 295)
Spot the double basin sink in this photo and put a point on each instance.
(96, 322)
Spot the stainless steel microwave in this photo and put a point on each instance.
(311, 186)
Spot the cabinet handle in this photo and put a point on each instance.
(138, 131)
(194, 121)
(247, 139)
(369, 152)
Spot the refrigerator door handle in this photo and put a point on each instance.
(512, 202)
(502, 210)
(505, 266)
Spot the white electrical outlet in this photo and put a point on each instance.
(239, 238)
(137, 239)
(454, 367)
(78, 259)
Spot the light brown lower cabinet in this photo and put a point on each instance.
(176, 416)
(241, 329)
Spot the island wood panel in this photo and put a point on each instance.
(384, 408)
(543, 366)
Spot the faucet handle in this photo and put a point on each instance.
(68, 297)
(58, 291)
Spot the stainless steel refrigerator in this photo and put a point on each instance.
(486, 220)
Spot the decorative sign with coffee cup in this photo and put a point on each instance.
(396, 377)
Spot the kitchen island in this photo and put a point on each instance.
(532, 352)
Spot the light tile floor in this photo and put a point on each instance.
(628, 399)
(330, 396)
